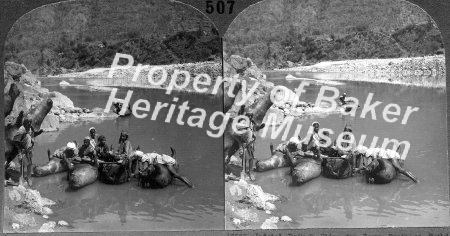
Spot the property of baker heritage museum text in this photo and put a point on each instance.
(138, 116)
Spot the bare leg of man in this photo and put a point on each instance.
(403, 171)
(29, 165)
(178, 176)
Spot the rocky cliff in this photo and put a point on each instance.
(31, 94)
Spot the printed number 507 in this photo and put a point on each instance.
(220, 6)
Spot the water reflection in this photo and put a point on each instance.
(126, 207)
(352, 202)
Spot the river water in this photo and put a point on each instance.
(352, 203)
(320, 203)
(127, 207)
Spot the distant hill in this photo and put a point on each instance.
(283, 33)
(84, 34)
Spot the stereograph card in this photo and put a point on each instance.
(225, 117)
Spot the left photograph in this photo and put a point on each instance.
(113, 119)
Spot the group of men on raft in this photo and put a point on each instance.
(357, 158)
(96, 152)
(133, 162)
(339, 162)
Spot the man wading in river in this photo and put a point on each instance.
(247, 142)
(24, 140)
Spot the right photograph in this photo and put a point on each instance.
(338, 116)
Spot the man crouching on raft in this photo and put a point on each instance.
(149, 158)
(86, 154)
(291, 150)
(294, 147)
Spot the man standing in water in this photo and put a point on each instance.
(24, 139)
(247, 142)
(251, 145)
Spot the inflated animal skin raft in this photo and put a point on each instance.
(159, 177)
(53, 166)
(277, 160)
(383, 171)
(156, 175)
(336, 168)
(113, 173)
(84, 174)
(306, 170)
(382, 166)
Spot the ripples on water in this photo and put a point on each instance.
(320, 203)
(353, 203)
(127, 207)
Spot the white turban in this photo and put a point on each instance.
(71, 145)
(294, 140)
(361, 149)
(138, 153)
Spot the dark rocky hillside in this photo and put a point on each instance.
(78, 35)
(286, 33)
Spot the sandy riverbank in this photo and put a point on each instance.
(428, 71)
(123, 77)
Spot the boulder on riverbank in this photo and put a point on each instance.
(244, 67)
(25, 210)
(247, 206)
(63, 110)
(246, 71)
(288, 104)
